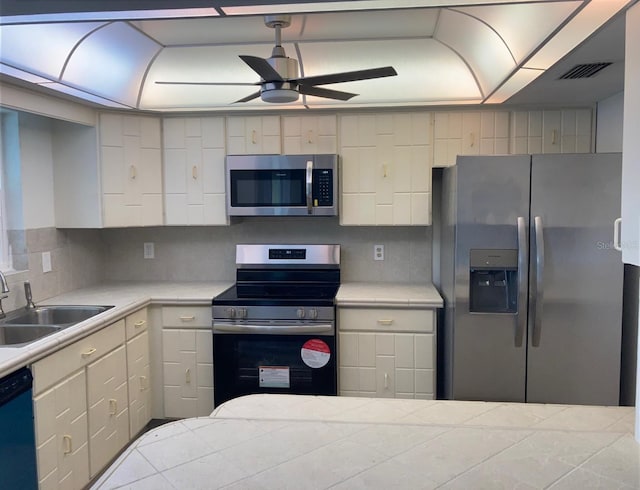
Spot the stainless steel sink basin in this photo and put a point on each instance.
(16, 335)
(63, 315)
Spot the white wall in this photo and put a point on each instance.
(609, 118)
(37, 172)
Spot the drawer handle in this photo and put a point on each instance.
(187, 318)
(385, 321)
(187, 376)
(68, 447)
(139, 324)
(89, 352)
(113, 406)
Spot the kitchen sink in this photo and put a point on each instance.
(16, 335)
(63, 315)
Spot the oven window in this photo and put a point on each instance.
(248, 364)
(251, 188)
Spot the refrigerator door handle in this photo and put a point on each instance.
(539, 296)
(523, 261)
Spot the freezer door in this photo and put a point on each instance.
(576, 279)
(488, 348)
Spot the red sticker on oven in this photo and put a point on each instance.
(315, 353)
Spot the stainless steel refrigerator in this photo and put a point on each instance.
(532, 283)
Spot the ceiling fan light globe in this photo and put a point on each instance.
(279, 95)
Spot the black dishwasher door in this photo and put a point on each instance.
(17, 434)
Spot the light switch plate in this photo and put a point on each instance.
(46, 262)
(149, 250)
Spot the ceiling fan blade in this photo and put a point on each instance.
(262, 68)
(324, 92)
(206, 83)
(254, 95)
(348, 76)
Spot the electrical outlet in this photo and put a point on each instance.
(149, 250)
(378, 252)
(46, 262)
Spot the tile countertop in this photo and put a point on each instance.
(299, 442)
(128, 297)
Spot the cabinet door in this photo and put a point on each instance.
(130, 160)
(194, 188)
(188, 372)
(60, 417)
(309, 134)
(108, 408)
(386, 169)
(248, 135)
(139, 382)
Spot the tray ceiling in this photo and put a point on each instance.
(473, 52)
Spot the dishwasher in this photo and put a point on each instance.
(17, 434)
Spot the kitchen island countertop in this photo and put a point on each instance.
(299, 442)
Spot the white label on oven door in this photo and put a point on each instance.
(274, 376)
(315, 353)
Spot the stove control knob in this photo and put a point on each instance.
(300, 313)
(313, 313)
(242, 313)
(231, 312)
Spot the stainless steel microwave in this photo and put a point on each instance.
(282, 185)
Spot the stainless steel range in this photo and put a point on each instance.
(274, 331)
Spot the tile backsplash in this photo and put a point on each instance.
(208, 253)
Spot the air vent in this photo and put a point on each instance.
(584, 71)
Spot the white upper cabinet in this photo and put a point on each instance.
(194, 178)
(249, 135)
(131, 170)
(469, 133)
(386, 169)
(551, 131)
(309, 134)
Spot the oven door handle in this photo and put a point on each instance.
(273, 329)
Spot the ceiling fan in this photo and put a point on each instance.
(280, 82)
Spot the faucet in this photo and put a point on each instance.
(3, 293)
(28, 296)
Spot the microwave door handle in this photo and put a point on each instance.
(310, 187)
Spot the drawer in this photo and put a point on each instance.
(386, 319)
(64, 362)
(186, 316)
(136, 323)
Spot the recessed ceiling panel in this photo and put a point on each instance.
(478, 45)
(42, 49)
(111, 63)
(524, 26)
(427, 71)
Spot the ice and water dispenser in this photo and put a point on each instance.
(493, 281)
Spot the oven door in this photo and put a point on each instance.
(248, 363)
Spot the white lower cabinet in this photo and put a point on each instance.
(187, 361)
(83, 399)
(387, 352)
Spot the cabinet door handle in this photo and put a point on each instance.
(310, 136)
(554, 136)
(113, 406)
(386, 381)
(189, 318)
(385, 321)
(68, 444)
(143, 383)
(384, 170)
(89, 352)
(472, 138)
(132, 172)
(187, 376)
(194, 172)
(139, 323)
(254, 135)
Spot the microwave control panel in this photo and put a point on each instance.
(322, 191)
